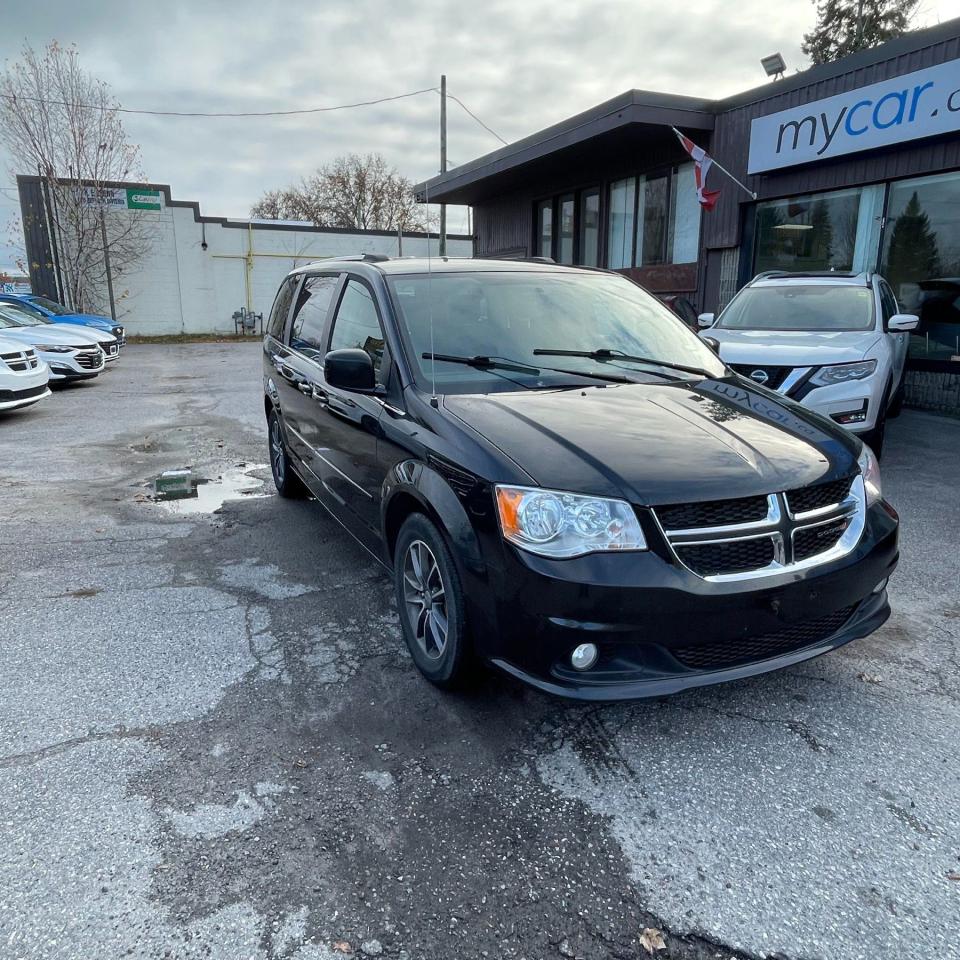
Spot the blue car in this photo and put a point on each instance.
(57, 313)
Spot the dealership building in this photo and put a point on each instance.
(855, 165)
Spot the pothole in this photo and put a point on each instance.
(182, 491)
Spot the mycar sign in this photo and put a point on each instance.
(908, 107)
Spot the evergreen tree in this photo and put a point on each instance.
(845, 26)
(913, 253)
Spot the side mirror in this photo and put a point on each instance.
(705, 320)
(350, 369)
(902, 322)
(712, 343)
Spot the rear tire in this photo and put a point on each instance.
(874, 438)
(431, 604)
(288, 484)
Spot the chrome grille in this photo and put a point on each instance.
(715, 542)
(90, 360)
(20, 362)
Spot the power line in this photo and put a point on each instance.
(199, 113)
(475, 117)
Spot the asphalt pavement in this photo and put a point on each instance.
(213, 744)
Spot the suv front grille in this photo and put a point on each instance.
(764, 535)
(730, 653)
(818, 496)
(774, 375)
(20, 362)
(712, 513)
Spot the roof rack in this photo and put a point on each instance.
(800, 274)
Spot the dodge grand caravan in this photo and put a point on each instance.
(564, 481)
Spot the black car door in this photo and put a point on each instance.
(301, 370)
(347, 422)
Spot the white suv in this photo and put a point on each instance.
(835, 342)
(23, 375)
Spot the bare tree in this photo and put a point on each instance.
(61, 123)
(362, 192)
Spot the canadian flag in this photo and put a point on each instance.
(707, 198)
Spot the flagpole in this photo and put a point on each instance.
(720, 166)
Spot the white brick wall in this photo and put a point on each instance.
(182, 288)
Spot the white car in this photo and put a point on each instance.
(108, 343)
(835, 342)
(23, 375)
(69, 355)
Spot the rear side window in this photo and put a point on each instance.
(357, 324)
(281, 307)
(310, 314)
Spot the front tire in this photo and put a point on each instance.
(288, 484)
(431, 603)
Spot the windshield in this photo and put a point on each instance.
(800, 307)
(52, 306)
(14, 317)
(508, 316)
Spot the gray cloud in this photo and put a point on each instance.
(518, 65)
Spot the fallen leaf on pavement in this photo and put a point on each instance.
(953, 875)
(652, 940)
(342, 946)
(869, 678)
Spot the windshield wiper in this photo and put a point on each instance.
(496, 363)
(604, 354)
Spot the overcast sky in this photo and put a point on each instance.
(520, 65)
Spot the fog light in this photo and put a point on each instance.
(880, 586)
(851, 416)
(584, 656)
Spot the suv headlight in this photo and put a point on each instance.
(870, 471)
(843, 372)
(556, 524)
(54, 348)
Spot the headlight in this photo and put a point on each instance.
(54, 348)
(843, 372)
(870, 470)
(556, 524)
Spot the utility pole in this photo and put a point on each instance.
(443, 161)
(106, 261)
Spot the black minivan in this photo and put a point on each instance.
(565, 481)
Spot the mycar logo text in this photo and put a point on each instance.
(920, 104)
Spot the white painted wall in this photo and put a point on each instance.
(182, 288)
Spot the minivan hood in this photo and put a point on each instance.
(45, 333)
(661, 443)
(792, 348)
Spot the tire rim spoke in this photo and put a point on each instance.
(424, 598)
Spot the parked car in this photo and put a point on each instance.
(28, 318)
(23, 375)
(58, 313)
(835, 342)
(68, 354)
(565, 481)
(683, 308)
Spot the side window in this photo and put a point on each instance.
(281, 307)
(889, 302)
(310, 314)
(357, 325)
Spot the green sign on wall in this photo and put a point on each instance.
(138, 199)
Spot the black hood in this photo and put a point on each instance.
(661, 443)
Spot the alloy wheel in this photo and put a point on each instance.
(425, 599)
(276, 452)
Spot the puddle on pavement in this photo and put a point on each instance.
(181, 491)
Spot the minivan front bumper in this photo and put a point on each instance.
(661, 629)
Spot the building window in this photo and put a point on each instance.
(921, 260)
(545, 228)
(623, 202)
(566, 233)
(684, 234)
(652, 213)
(590, 228)
(839, 230)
